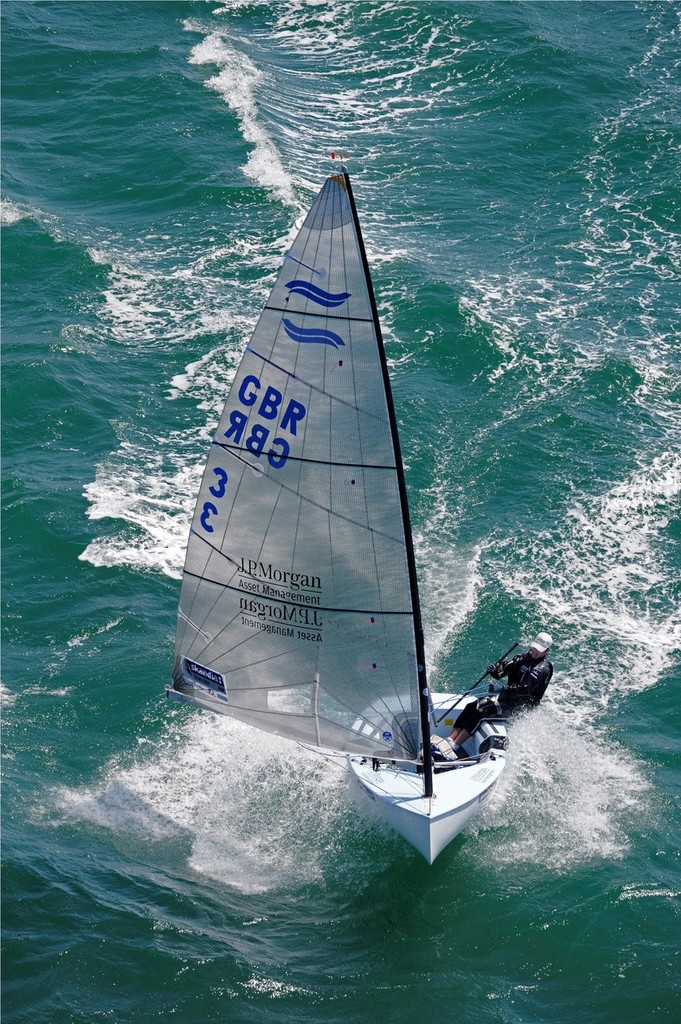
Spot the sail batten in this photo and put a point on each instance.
(310, 384)
(326, 316)
(321, 608)
(299, 609)
(318, 462)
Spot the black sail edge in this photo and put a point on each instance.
(424, 703)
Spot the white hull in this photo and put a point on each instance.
(430, 824)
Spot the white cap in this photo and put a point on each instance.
(541, 642)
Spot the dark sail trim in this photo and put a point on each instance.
(324, 316)
(424, 703)
(299, 458)
(306, 383)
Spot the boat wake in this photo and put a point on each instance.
(256, 813)
(243, 808)
(568, 796)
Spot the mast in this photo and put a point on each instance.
(424, 704)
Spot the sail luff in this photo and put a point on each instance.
(424, 702)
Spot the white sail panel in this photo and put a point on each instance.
(296, 610)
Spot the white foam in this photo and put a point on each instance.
(159, 306)
(252, 811)
(136, 486)
(258, 813)
(657, 394)
(273, 989)
(607, 587)
(60, 691)
(182, 382)
(566, 798)
(82, 638)
(638, 891)
(11, 212)
(150, 481)
(332, 57)
(237, 82)
(530, 325)
(148, 485)
(7, 698)
(232, 6)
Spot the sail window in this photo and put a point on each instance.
(290, 700)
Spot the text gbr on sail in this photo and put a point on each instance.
(270, 407)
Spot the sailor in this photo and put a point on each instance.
(527, 675)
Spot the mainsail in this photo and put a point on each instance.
(299, 610)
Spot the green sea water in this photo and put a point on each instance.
(516, 171)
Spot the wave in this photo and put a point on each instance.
(7, 697)
(237, 82)
(390, 67)
(605, 584)
(209, 793)
(12, 212)
(224, 817)
(149, 486)
(146, 487)
(548, 813)
(145, 303)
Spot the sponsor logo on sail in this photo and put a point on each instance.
(285, 620)
(272, 574)
(203, 677)
(281, 612)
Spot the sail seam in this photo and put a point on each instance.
(324, 316)
(313, 387)
(300, 458)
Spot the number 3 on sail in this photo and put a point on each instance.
(303, 508)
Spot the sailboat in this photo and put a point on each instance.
(299, 609)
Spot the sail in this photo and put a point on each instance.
(298, 607)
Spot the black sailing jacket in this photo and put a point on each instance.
(528, 678)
